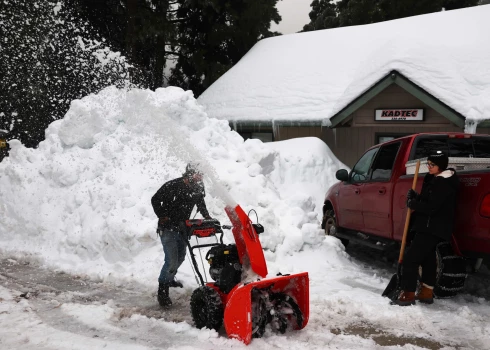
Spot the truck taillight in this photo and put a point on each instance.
(485, 206)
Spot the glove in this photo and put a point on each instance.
(162, 221)
(411, 194)
(411, 203)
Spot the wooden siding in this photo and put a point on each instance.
(291, 132)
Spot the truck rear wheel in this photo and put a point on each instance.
(330, 226)
(451, 272)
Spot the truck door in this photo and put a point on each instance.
(351, 192)
(378, 192)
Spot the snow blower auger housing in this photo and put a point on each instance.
(246, 308)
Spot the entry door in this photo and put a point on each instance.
(378, 193)
(352, 191)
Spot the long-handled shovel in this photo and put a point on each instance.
(393, 288)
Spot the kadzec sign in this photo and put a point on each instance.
(399, 114)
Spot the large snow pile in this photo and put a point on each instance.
(81, 201)
(313, 75)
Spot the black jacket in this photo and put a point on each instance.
(436, 204)
(176, 199)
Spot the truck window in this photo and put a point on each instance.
(461, 148)
(482, 148)
(383, 164)
(477, 147)
(427, 146)
(360, 172)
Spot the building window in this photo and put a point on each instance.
(262, 136)
(385, 137)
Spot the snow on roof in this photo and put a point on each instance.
(312, 76)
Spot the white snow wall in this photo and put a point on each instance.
(82, 198)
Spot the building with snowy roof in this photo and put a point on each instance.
(358, 86)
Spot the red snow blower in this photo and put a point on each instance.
(247, 307)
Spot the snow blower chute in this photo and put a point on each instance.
(245, 307)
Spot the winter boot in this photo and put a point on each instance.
(405, 299)
(162, 295)
(176, 284)
(426, 294)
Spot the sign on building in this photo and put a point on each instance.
(399, 114)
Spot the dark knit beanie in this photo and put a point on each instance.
(191, 169)
(440, 159)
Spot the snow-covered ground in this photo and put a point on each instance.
(80, 204)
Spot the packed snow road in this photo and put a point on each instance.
(46, 309)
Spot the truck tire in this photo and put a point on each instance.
(330, 226)
(451, 272)
(207, 308)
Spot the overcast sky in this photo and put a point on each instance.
(294, 15)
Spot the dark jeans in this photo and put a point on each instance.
(422, 252)
(174, 248)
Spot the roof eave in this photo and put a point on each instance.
(274, 123)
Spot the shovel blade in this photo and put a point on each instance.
(392, 290)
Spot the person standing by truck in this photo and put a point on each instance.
(433, 213)
(173, 204)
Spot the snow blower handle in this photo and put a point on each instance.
(202, 228)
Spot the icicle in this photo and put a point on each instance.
(470, 126)
(275, 130)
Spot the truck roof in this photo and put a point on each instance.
(454, 134)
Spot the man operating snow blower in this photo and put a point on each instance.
(173, 204)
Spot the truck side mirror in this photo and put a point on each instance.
(342, 175)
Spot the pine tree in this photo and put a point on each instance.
(215, 34)
(325, 14)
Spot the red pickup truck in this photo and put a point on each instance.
(368, 205)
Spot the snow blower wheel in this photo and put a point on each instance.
(206, 308)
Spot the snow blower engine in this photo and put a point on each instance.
(247, 306)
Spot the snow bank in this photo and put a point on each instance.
(446, 53)
(81, 201)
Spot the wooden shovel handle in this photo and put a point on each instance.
(409, 213)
